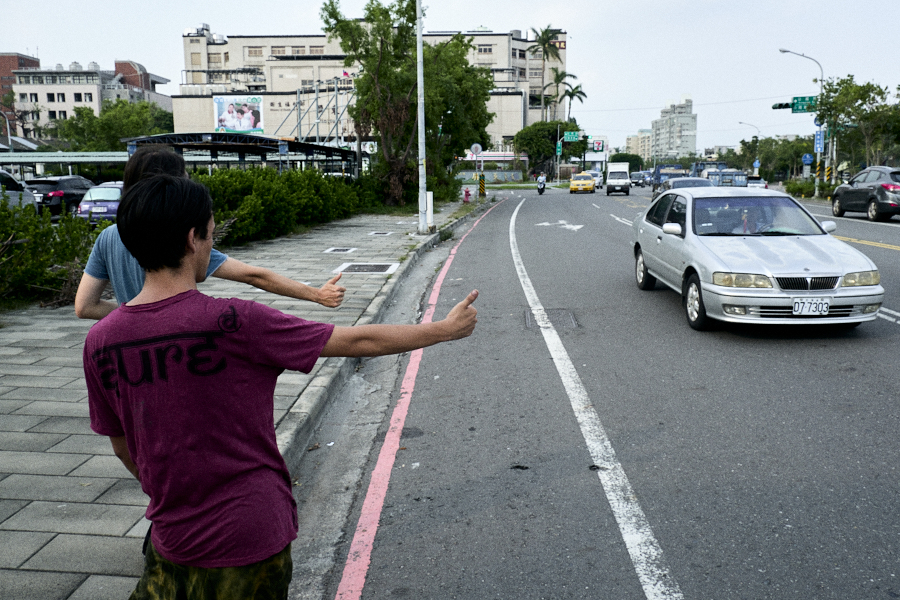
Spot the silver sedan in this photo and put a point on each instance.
(752, 256)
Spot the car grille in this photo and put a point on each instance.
(805, 284)
(774, 312)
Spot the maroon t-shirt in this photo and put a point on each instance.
(189, 381)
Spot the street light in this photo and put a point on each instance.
(758, 135)
(8, 134)
(821, 78)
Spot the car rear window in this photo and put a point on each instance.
(103, 194)
(583, 178)
(43, 186)
(895, 176)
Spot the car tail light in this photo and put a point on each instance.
(891, 187)
(83, 208)
(58, 193)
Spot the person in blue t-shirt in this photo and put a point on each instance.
(110, 261)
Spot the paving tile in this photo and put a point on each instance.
(8, 406)
(30, 585)
(20, 359)
(36, 393)
(84, 444)
(29, 442)
(55, 488)
(39, 463)
(74, 361)
(105, 587)
(74, 517)
(62, 425)
(124, 491)
(10, 507)
(17, 546)
(19, 422)
(101, 466)
(10, 351)
(54, 409)
(107, 556)
(30, 370)
(74, 371)
(48, 382)
(140, 529)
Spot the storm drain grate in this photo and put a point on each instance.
(560, 318)
(340, 250)
(383, 268)
(381, 233)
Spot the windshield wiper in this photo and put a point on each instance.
(780, 233)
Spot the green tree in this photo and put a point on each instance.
(19, 116)
(120, 119)
(635, 162)
(538, 141)
(543, 43)
(559, 80)
(574, 93)
(844, 103)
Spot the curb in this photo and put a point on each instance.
(294, 432)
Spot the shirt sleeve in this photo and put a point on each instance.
(285, 341)
(96, 265)
(216, 260)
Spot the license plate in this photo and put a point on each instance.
(811, 306)
(98, 209)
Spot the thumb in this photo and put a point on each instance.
(335, 278)
(473, 295)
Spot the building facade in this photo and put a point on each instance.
(674, 134)
(640, 144)
(270, 74)
(9, 62)
(51, 94)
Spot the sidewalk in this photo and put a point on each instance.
(71, 516)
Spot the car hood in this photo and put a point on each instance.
(787, 255)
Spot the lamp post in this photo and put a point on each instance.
(8, 131)
(821, 79)
(758, 135)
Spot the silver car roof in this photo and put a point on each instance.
(728, 192)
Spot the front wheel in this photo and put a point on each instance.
(836, 208)
(693, 305)
(643, 278)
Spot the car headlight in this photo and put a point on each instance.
(861, 278)
(741, 280)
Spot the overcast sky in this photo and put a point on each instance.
(632, 57)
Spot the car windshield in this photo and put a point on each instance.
(102, 194)
(679, 183)
(583, 178)
(766, 215)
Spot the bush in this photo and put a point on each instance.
(806, 188)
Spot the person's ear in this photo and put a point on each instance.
(192, 240)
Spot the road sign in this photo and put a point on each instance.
(806, 171)
(756, 164)
(817, 121)
(807, 159)
(819, 144)
(598, 145)
(476, 148)
(802, 104)
(570, 136)
(559, 148)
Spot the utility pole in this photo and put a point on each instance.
(425, 217)
(821, 78)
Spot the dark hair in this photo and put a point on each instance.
(155, 159)
(155, 216)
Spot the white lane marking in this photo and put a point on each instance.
(646, 553)
(621, 220)
(889, 311)
(560, 224)
(891, 319)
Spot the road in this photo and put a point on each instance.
(621, 456)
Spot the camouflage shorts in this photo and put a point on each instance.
(164, 580)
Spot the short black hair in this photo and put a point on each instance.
(155, 159)
(156, 214)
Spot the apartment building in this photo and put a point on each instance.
(640, 144)
(51, 94)
(9, 62)
(269, 74)
(674, 134)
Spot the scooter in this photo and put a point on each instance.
(540, 188)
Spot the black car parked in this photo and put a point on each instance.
(57, 194)
(874, 191)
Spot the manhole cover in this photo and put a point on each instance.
(381, 233)
(384, 268)
(560, 318)
(340, 250)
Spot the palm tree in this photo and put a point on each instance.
(543, 43)
(559, 79)
(573, 93)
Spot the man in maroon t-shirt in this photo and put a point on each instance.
(183, 385)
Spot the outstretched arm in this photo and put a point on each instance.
(88, 301)
(379, 340)
(330, 294)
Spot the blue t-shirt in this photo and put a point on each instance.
(111, 260)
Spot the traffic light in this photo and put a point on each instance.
(781, 105)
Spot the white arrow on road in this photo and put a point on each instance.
(561, 224)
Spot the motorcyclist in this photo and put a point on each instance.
(541, 181)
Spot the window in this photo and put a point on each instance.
(678, 213)
(24, 79)
(226, 57)
(77, 78)
(89, 97)
(91, 79)
(37, 79)
(534, 73)
(255, 51)
(214, 59)
(522, 54)
(33, 97)
(659, 211)
(51, 97)
(62, 114)
(195, 41)
(36, 115)
(296, 50)
(50, 79)
(77, 97)
(317, 49)
(23, 97)
(485, 49)
(522, 72)
(306, 82)
(51, 114)
(195, 59)
(538, 54)
(60, 97)
(278, 50)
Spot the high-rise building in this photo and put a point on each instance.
(640, 144)
(674, 133)
(272, 73)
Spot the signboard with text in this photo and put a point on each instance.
(570, 136)
(803, 104)
(238, 114)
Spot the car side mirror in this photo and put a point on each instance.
(672, 228)
(829, 226)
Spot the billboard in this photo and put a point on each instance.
(238, 114)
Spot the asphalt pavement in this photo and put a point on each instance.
(71, 516)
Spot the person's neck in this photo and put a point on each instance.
(165, 283)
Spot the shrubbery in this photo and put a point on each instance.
(806, 188)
